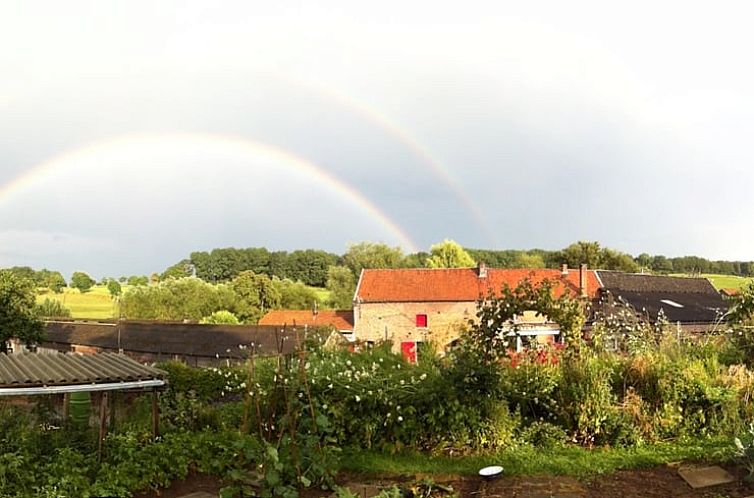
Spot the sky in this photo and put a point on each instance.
(133, 133)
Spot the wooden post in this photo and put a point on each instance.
(155, 416)
(111, 409)
(66, 406)
(102, 423)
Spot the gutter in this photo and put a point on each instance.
(79, 388)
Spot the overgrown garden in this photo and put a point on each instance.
(272, 426)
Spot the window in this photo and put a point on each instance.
(421, 320)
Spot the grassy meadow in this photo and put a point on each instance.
(98, 305)
(95, 304)
(721, 281)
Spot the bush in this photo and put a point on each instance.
(51, 308)
(544, 435)
(206, 384)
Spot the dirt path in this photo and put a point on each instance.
(658, 482)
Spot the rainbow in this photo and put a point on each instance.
(400, 134)
(233, 144)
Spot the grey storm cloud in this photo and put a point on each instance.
(497, 124)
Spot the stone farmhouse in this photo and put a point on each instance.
(410, 306)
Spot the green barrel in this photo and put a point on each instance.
(80, 407)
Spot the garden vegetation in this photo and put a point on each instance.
(272, 426)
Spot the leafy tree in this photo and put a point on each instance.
(644, 260)
(526, 260)
(176, 299)
(449, 254)
(342, 284)
(82, 281)
(488, 334)
(221, 317)
(619, 261)
(295, 295)
(183, 268)
(371, 255)
(582, 252)
(51, 308)
(25, 272)
(113, 286)
(310, 266)
(17, 315)
(137, 280)
(53, 280)
(415, 260)
(255, 295)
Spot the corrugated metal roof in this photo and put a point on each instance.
(38, 370)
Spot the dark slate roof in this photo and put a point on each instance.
(682, 299)
(39, 370)
(184, 339)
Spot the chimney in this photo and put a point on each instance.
(481, 270)
(564, 269)
(583, 285)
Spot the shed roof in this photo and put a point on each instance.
(106, 371)
(183, 339)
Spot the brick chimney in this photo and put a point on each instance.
(583, 282)
(564, 269)
(481, 270)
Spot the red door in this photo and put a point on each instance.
(408, 349)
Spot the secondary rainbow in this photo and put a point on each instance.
(392, 128)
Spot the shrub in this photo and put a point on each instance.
(544, 435)
(585, 400)
(51, 308)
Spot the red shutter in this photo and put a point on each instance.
(421, 320)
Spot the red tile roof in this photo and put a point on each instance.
(340, 319)
(459, 284)
(730, 291)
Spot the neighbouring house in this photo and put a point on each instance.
(691, 304)
(340, 320)
(730, 292)
(195, 344)
(410, 306)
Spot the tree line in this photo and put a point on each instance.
(311, 266)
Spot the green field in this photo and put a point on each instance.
(721, 281)
(96, 303)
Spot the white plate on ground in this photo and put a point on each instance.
(490, 472)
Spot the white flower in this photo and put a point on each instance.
(400, 419)
(358, 399)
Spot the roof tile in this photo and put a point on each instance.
(460, 284)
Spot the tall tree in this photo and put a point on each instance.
(82, 281)
(372, 255)
(255, 294)
(449, 254)
(582, 252)
(176, 299)
(342, 284)
(295, 295)
(17, 314)
(114, 287)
